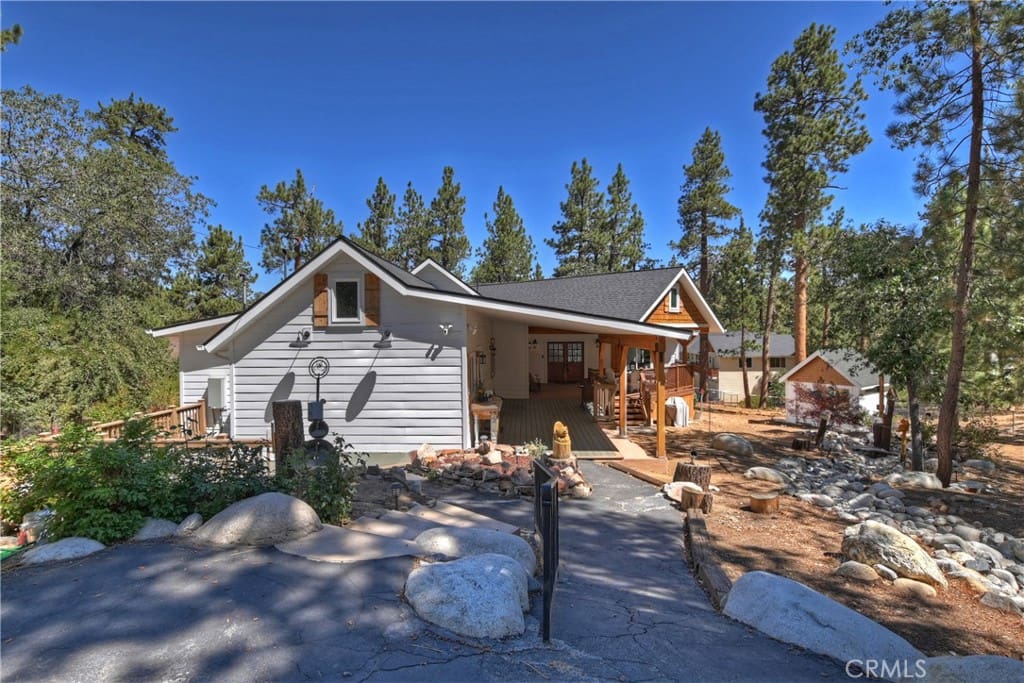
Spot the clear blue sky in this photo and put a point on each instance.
(507, 94)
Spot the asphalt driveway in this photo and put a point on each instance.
(626, 609)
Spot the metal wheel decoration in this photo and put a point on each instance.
(319, 367)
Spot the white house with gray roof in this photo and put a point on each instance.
(843, 371)
(409, 351)
(725, 375)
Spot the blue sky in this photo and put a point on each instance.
(507, 94)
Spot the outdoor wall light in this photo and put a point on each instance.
(385, 340)
(302, 338)
(445, 328)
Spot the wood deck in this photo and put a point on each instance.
(524, 420)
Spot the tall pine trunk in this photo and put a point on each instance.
(826, 325)
(769, 325)
(743, 365)
(801, 267)
(705, 283)
(951, 395)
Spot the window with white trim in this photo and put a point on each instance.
(777, 362)
(346, 301)
(673, 300)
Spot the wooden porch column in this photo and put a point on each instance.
(659, 410)
(620, 359)
(600, 359)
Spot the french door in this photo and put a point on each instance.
(565, 361)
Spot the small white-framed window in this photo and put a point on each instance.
(346, 301)
(673, 300)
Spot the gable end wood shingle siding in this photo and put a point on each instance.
(686, 314)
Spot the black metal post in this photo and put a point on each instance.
(545, 510)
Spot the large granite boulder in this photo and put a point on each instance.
(873, 543)
(483, 596)
(266, 519)
(921, 480)
(457, 542)
(793, 613)
(189, 524)
(65, 549)
(732, 443)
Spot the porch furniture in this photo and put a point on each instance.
(489, 410)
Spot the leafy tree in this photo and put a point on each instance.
(507, 252)
(578, 235)
(702, 210)
(375, 233)
(449, 244)
(813, 126)
(736, 297)
(10, 36)
(412, 236)
(302, 226)
(622, 239)
(956, 71)
(221, 279)
(93, 222)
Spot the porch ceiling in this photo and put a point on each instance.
(599, 326)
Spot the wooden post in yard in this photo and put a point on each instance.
(288, 432)
(659, 394)
(620, 359)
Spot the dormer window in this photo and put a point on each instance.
(673, 300)
(346, 304)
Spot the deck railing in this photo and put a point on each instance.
(184, 422)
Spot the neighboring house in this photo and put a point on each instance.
(725, 375)
(842, 371)
(409, 350)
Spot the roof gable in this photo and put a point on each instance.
(847, 362)
(433, 272)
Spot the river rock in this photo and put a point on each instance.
(921, 480)
(1003, 602)
(793, 613)
(875, 543)
(456, 542)
(483, 596)
(64, 549)
(885, 572)
(266, 519)
(975, 581)
(766, 474)
(915, 589)
(968, 533)
(979, 465)
(819, 499)
(732, 443)
(858, 571)
(864, 501)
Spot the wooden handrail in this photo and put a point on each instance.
(166, 420)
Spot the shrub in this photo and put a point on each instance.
(208, 480)
(976, 439)
(328, 487)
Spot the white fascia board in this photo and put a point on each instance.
(431, 263)
(714, 326)
(192, 326)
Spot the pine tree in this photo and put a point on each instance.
(302, 226)
(507, 254)
(223, 274)
(736, 297)
(10, 36)
(375, 233)
(623, 243)
(413, 230)
(702, 210)
(578, 236)
(956, 69)
(813, 125)
(449, 244)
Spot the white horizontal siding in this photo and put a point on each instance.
(197, 367)
(412, 392)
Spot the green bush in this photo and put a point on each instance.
(210, 479)
(327, 487)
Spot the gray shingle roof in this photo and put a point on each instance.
(728, 344)
(853, 365)
(626, 296)
(402, 275)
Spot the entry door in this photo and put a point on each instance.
(565, 362)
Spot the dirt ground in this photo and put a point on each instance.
(794, 541)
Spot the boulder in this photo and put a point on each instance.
(766, 474)
(64, 549)
(875, 543)
(858, 571)
(266, 519)
(975, 581)
(921, 480)
(914, 589)
(1003, 602)
(483, 596)
(819, 499)
(885, 572)
(732, 443)
(189, 524)
(979, 465)
(155, 528)
(456, 542)
(972, 668)
(793, 613)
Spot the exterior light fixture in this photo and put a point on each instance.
(385, 340)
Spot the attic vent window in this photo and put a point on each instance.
(346, 308)
(673, 300)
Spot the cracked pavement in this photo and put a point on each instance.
(626, 608)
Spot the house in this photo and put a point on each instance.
(410, 352)
(839, 373)
(725, 375)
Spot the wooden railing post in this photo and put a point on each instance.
(201, 418)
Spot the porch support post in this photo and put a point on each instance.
(600, 359)
(659, 375)
(623, 353)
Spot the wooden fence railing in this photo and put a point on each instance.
(183, 422)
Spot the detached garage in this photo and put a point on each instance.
(836, 377)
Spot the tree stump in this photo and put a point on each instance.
(561, 444)
(689, 500)
(699, 475)
(288, 432)
(764, 503)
